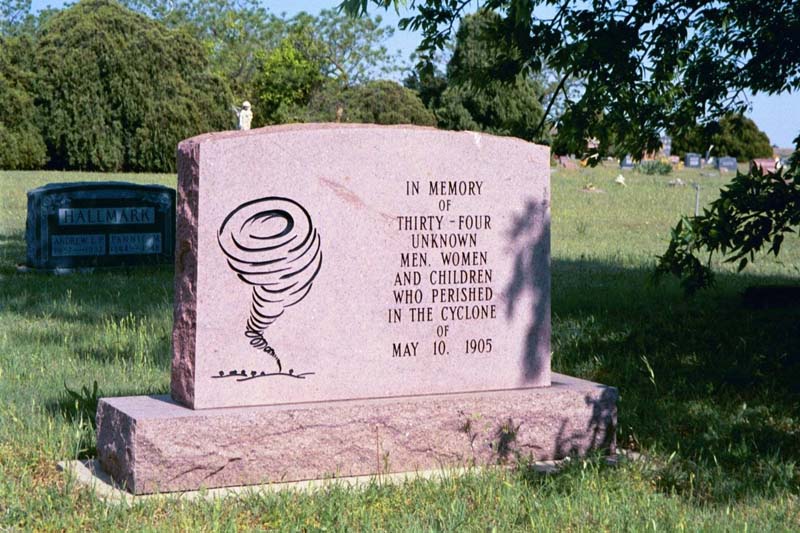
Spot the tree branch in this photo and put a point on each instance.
(540, 126)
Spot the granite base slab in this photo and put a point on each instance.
(151, 444)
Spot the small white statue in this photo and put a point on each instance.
(245, 115)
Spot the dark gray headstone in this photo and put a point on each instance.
(99, 224)
(692, 160)
(727, 163)
(627, 162)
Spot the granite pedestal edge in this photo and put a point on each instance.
(152, 444)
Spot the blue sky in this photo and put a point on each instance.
(778, 116)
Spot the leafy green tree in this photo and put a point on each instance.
(288, 76)
(754, 213)
(429, 85)
(645, 65)
(118, 91)
(318, 55)
(375, 102)
(233, 32)
(485, 92)
(13, 14)
(734, 135)
(21, 144)
(240, 34)
(353, 50)
(648, 66)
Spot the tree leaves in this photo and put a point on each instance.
(646, 65)
(329, 49)
(753, 212)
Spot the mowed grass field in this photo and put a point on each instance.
(710, 389)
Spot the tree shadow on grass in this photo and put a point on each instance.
(12, 251)
(708, 378)
(83, 296)
(47, 306)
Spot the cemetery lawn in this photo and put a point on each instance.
(710, 389)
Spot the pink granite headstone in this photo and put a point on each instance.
(333, 262)
(355, 300)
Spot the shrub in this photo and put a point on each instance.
(375, 102)
(661, 168)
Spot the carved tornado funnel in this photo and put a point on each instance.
(272, 245)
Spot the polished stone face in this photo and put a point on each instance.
(692, 160)
(727, 163)
(100, 224)
(332, 262)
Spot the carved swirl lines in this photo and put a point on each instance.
(272, 245)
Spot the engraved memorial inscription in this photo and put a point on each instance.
(449, 280)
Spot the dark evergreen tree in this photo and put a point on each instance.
(484, 90)
(21, 144)
(118, 91)
(429, 86)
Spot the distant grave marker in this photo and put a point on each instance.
(627, 162)
(78, 225)
(567, 162)
(727, 164)
(666, 145)
(692, 160)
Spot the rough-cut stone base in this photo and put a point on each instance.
(151, 444)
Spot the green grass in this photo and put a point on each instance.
(710, 389)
